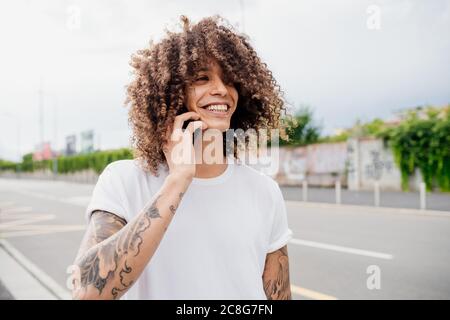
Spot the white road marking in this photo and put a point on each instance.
(16, 223)
(29, 281)
(81, 201)
(24, 219)
(360, 209)
(36, 231)
(15, 209)
(332, 247)
(310, 293)
(6, 204)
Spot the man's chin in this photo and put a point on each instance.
(218, 126)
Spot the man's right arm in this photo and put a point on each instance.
(114, 254)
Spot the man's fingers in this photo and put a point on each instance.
(180, 119)
(194, 125)
(190, 129)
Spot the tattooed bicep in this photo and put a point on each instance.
(102, 225)
(106, 224)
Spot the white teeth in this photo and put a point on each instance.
(217, 107)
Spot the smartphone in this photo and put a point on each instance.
(196, 132)
(186, 123)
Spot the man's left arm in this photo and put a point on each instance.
(276, 275)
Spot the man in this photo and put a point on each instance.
(160, 228)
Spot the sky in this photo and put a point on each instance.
(346, 60)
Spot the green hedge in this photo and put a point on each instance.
(7, 165)
(68, 164)
(422, 141)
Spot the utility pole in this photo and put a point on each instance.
(55, 137)
(41, 114)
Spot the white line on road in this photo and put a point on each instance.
(81, 201)
(369, 209)
(35, 230)
(19, 282)
(15, 209)
(6, 204)
(311, 294)
(23, 284)
(333, 247)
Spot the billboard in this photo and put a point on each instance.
(87, 141)
(71, 143)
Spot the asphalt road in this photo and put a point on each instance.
(405, 254)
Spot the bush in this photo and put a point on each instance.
(422, 141)
(69, 164)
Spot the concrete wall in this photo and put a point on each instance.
(320, 164)
(357, 163)
(369, 161)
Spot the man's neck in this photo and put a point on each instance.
(204, 170)
(207, 170)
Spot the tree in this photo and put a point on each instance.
(302, 130)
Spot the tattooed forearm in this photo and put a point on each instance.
(174, 208)
(114, 254)
(276, 275)
(115, 291)
(153, 212)
(102, 262)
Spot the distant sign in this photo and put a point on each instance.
(87, 141)
(71, 143)
(43, 152)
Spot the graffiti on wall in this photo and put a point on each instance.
(377, 166)
(363, 161)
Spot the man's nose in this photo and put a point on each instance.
(219, 88)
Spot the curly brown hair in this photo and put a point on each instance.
(164, 70)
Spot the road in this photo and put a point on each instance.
(406, 252)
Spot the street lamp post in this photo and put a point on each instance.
(17, 122)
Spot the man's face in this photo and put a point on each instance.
(213, 99)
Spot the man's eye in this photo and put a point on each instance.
(202, 78)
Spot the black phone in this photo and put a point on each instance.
(196, 132)
(186, 123)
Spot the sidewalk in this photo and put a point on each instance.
(4, 293)
(391, 199)
(20, 279)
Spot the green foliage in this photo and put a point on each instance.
(68, 164)
(422, 141)
(302, 130)
(342, 137)
(7, 165)
(374, 128)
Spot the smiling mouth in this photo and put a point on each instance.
(217, 109)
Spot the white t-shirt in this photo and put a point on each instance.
(216, 244)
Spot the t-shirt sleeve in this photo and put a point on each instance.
(281, 233)
(107, 195)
